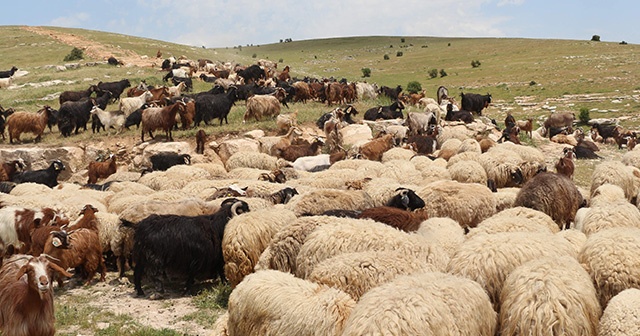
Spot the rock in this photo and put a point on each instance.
(61, 68)
(255, 134)
(232, 146)
(72, 65)
(144, 151)
(35, 158)
(355, 135)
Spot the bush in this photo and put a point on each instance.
(414, 87)
(595, 38)
(75, 54)
(254, 55)
(402, 40)
(532, 83)
(280, 60)
(366, 72)
(433, 73)
(399, 53)
(386, 57)
(475, 63)
(584, 116)
(443, 73)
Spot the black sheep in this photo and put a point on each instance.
(210, 106)
(187, 245)
(406, 199)
(393, 111)
(48, 177)
(116, 88)
(164, 161)
(9, 73)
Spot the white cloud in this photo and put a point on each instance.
(510, 2)
(74, 20)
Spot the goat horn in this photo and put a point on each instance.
(50, 257)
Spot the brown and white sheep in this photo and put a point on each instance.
(259, 106)
(102, 169)
(21, 122)
(161, 117)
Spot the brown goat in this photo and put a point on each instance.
(526, 126)
(161, 117)
(10, 168)
(293, 152)
(398, 218)
(78, 248)
(102, 169)
(334, 93)
(261, 106)
(77, 95)
(303, 92)
(26, 296)
(21, 122)
(565, 165)
(201, 139)
(374, 149)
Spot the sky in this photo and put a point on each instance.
(227, 23)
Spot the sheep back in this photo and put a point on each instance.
(621, 315)
(616, 173)
(316, 202)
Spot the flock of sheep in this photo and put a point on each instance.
(498, 244)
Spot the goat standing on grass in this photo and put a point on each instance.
(161, 117)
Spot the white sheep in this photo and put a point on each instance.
(503, 166)
(5, 82)
(449, 148)
(275, 303)
(621, 315)
(469, 145)
(611, 259)
(468, 172)
(397, 153)
(315, 202)
(616, 173)
(427, 304)
(129, 104)
(518, 219)
(444, 232)
(553, 296)
(505, 197)
(253, 160)
(609, 215)
(464, 156)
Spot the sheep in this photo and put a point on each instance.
(259, 106)
(48, 176)
(553, 296)
(129, 104)
(196, 240)
(610, 258)
(449, 148)
(466, 203)
(26, 296)
(5, 82)
(423, 304)
(405, 199)
(246, 237)
(101, 169)
(398, 218)
(616, 173)
(161, 117)
(609, 215)
(518, 219)
(113, 119)
(374, 149)
(79, 248)
(506, 250)
(256, 306)
(621, 315)
(318, 201)
(21, 122)
(164, 161)
(468, 172)
(444, 232)
(503, 166)
(252, 160)
(201, 139)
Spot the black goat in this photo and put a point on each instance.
(210, 106)
(3, 119)
(116, 88)
(474, 102)
(391, 93)
(135, 118)
(6, 186)
(8, 73)
(75, 114)
(186, 245)
(406, 199)
(114, 61)
(48, 176)
(164, 161)
(186, 80)
(461, 115)
(77, 95)
(252, 74)
(393, 111)
(208, 79)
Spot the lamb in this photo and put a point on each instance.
(398, 218)
(554, 194)
(161, 117)
(48, 176)
(424, 304)
(246, 237)
(256, 306)
(610, 258)
(374, 149)
(79, 248)
(259, 106)
(552, 295)
(21, 122)
(130, 104)
(101, 169)
(26, 296)
(110, 119)
(620, 317)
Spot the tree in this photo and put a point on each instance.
(414, 87)
(595, 38)
(366, 72)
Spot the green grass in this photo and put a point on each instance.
(210, 303)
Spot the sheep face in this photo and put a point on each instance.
(516, 177)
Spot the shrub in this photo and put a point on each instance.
(623, 42)
(402, 40)
(280, 60)
(414, 87)
(532, 83)
(399, 53)
(366, 72)
(75, 54)
(254, 55)
(433, 73)
(386, 57)
(595, 38)
(584, 116)
(443, 73)
(475, 63)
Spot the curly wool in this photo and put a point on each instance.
(316, 202)
(220, 327)
(505, 197)
(611, 215)
(397, 153)
(429, 304)
(549, 296)
(469, 145)
(255, 160)
(444, 232)
(621, 315)
(276, 303)
(611, 259)
(500, 163)
(517, 219)
(616, 173)
(401, 171)
(468, 172)
(449, 148)
(464, 156)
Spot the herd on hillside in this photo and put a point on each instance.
(336, 243)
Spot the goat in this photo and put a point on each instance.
(418, 123)
(176, 80)
(80, 249)
(201, 139)
(77, 95)
(509, 120)
(8, 73)
(393, 111)
(35, 123)
(401, 219)
(190, 245)
(261, 105)
(17, 224)
(26, 296)
(4, 114)
(275, 176)
(48, 176)
(283, 196)
(161, 117)
(374, 149)
(76, 114)
(10, 169)
(115, 119)
(389, 92)
(176, 91)
(293, 152)
(116, 88)
(164, 161)
(208, 79)
(474, 102)
(40, 235)
(565, 165)
(101, 169)
(525, 126)
(130, 104)
(210, 106)
(286, 121)
(460, 115)
(135, 118)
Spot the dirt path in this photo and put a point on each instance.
(93, 49)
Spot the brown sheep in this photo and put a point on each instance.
(554, 194)
(526, 126)
(565, 165)
(201, 139)
(35, 123)
(398, 218)
(374, 149)
(261, 106)
(161, 117)
(102, 169)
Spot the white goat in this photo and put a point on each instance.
(109, 119)
(130, 104)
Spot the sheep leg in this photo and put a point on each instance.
(120, 261)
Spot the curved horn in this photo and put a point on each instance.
(235, 210)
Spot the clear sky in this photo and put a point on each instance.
(226, 23)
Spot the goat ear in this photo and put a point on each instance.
(22, 271)
(59, 270)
